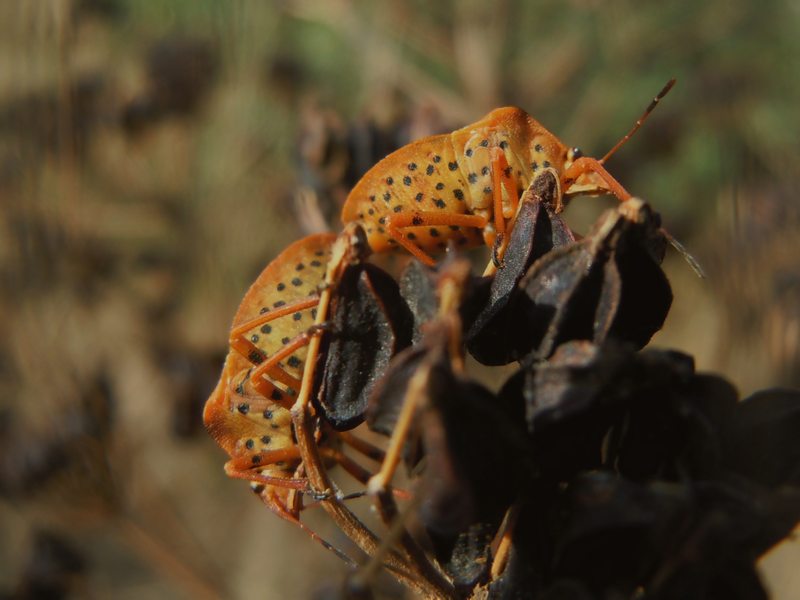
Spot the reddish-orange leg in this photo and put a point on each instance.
(277, 506)
(396, 223)
(269, 365)
(501, 178)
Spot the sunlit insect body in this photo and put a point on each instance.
(464, 186)
(247, 414)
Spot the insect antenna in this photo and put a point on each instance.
(640, 120)
(685, 253)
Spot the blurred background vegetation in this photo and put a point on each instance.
(154, 156)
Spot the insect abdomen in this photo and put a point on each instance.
(423, 176)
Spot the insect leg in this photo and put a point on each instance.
(273, 369)
(502, 177)
(248, 467)
(362, 446)
(395, 223)
(274, 503)
(414, 397)
(245, 347)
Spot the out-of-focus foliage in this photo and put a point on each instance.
(149, 169)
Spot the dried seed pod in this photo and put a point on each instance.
(639, 413)
(762, 441)
(606, 286)
(493, 337)
(470, 473)
(418, 286)
(609, 533)
(369, 324)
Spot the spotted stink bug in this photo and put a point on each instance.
(465, 186)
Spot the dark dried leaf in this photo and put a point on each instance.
(370, 323)
(611, 532)
(418, 288)
(645, 414)
(763, 440)
(389, 394)
(493, 337)
(606, 286)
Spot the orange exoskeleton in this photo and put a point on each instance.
(248, 414)
(464, 186)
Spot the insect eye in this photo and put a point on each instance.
(576, 153)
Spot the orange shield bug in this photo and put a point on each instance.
(464, 186)
(249, 413)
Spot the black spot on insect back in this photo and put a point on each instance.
(249, 444)
(299, 267)
(254, 338)
(389, 181)
(440, 186)
(546, 164)
(485, 171)
(297, 316)
(265, 439)
(243, 408)
(267, 414)
(440, 203)
(538, 147)
(397, 208)
(437, 158)
(387, 196)
(458, 193)
(372, 198)
(279, 303)
(266, 328)
(293, 362)
(275, 395)
(418, 197)
(256, 459)
(411, 235)
(452, 165)
(472, 177)
(468, 152)
(434, 232)
(407, 180)
(297, 282)
(285, 341)
(281, 287)
(412, 166)
(429, 170)
(504, 144)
